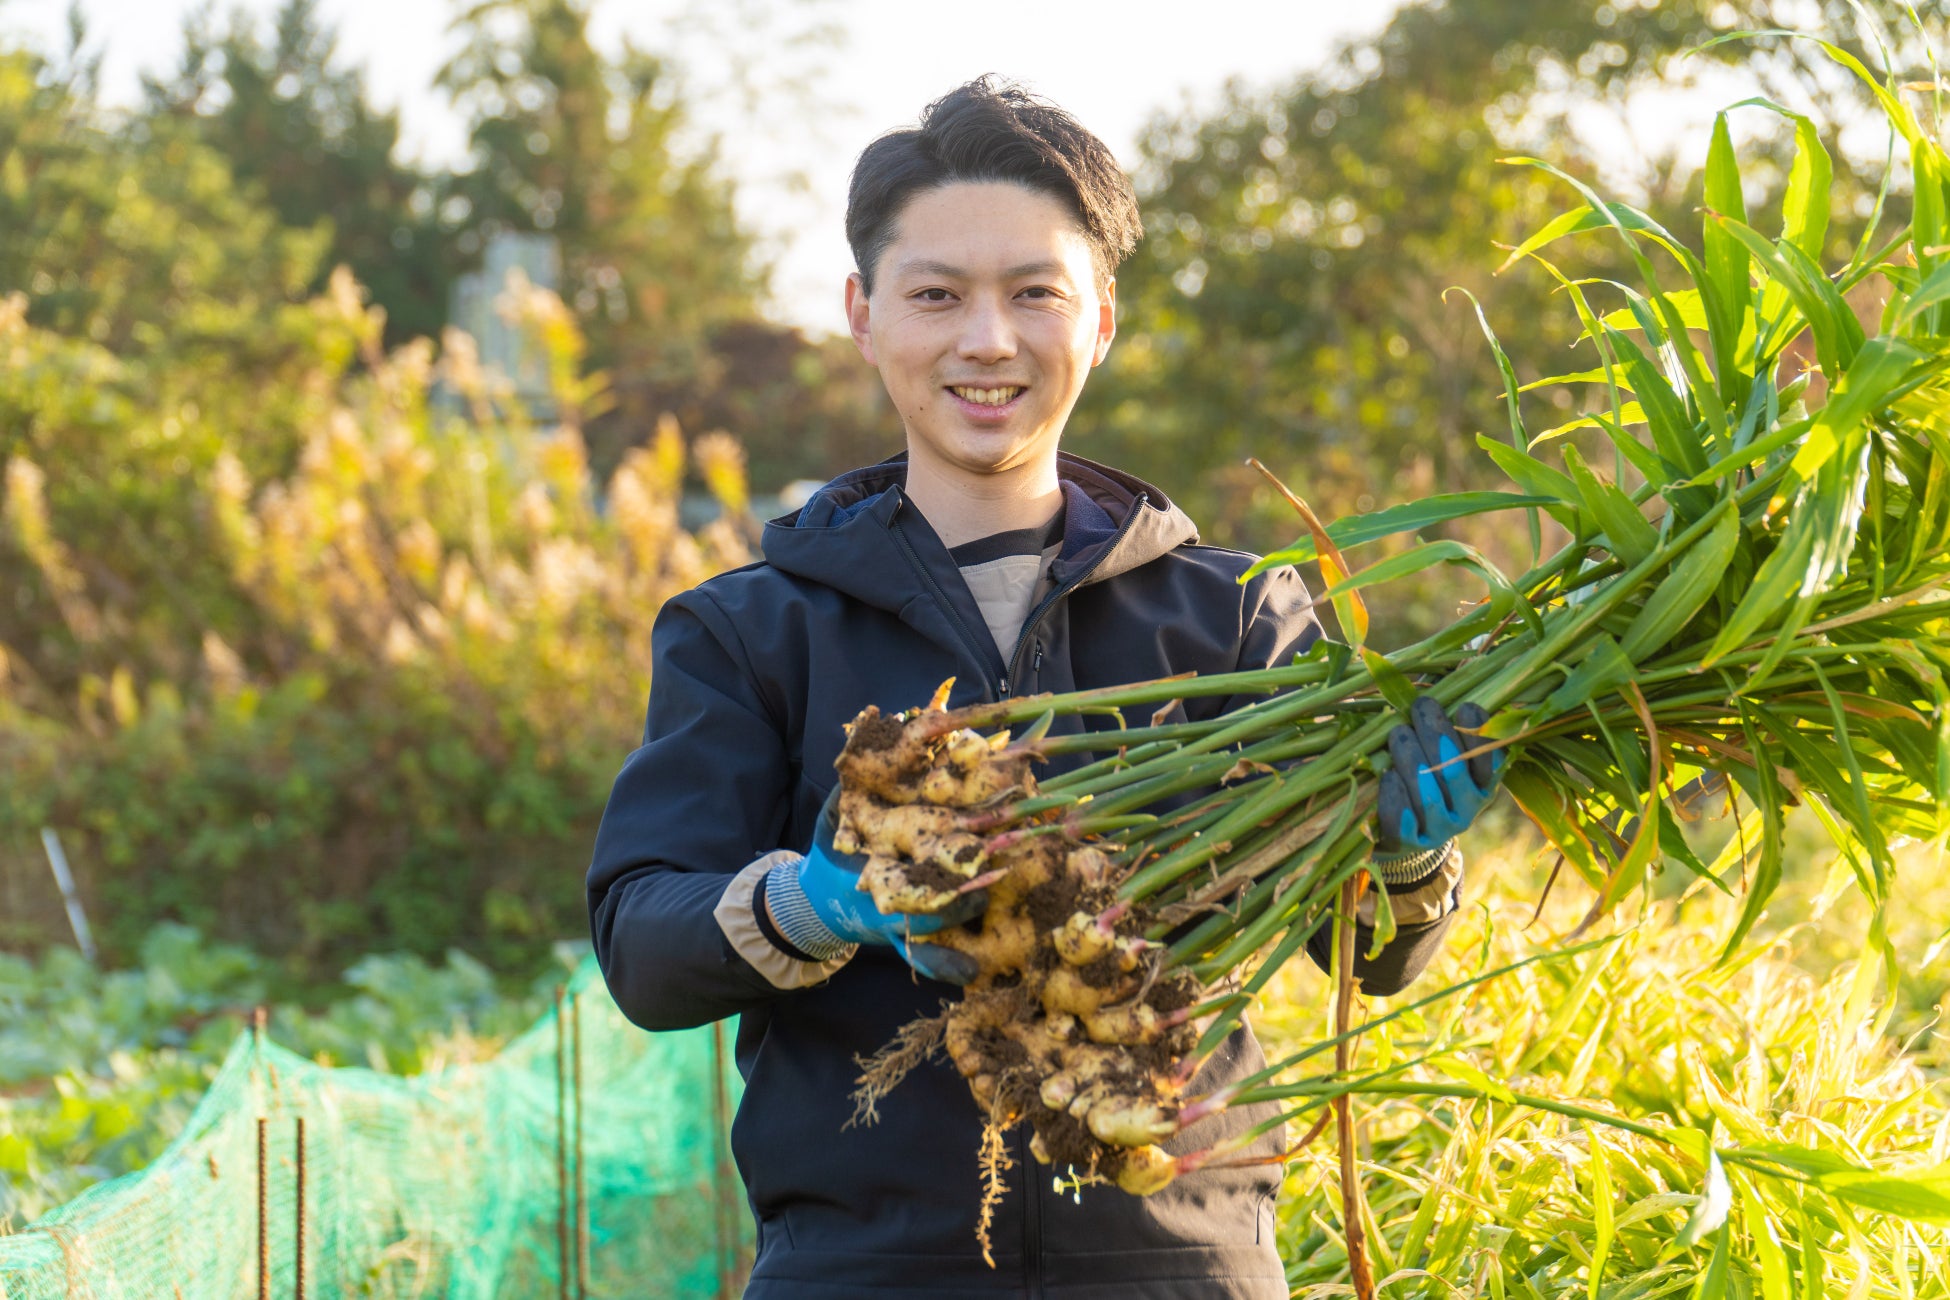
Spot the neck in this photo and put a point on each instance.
(961, 507)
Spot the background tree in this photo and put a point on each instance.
(301, 130)
(1288, 299)
(133, 235)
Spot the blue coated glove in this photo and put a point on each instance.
(1429, 798)
(817, 905)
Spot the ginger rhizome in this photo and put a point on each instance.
(1072, 1024)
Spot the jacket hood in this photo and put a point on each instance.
(1113, 522)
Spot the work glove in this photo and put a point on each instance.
(818, 906)
(1429, 797)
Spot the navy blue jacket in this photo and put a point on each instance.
(857, 602)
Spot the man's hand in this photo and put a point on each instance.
(816, 903)
(1432, 794)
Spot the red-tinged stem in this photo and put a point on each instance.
(1206, 1106)
(1108, 918)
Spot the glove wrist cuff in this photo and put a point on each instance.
(791, 914)
(1409, 867)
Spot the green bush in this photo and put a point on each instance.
(348, 664)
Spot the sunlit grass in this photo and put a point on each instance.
(1473, 1197)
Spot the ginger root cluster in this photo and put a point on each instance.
(1072, 1025)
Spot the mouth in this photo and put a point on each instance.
(989, 397)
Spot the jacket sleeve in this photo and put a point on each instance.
(1277, 622)
(704, 797)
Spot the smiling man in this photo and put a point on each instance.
(986, 242)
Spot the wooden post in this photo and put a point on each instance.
(263, 1218)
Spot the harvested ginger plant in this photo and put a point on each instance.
(1752, 603)
(1071, 1023)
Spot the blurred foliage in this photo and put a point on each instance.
(282, 583)
(1289, 299)
(100, 1069)
(369, 691)
(657, 266)
(300, 131)
(145, 243)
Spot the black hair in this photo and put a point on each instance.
(992, 130)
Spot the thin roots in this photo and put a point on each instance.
(880, 1073)
(995, 1163)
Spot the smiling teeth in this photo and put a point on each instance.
(986, 396)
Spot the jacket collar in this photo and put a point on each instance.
(1113, 522)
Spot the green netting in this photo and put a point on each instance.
(476, 1181)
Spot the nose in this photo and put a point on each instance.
(987, 337)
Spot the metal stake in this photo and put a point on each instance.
(70, 896)
(561, 1152)
(720, 1191)
(581, 1183)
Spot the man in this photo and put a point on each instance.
(985, 240)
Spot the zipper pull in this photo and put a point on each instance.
(1037, 667)
(1002, 687)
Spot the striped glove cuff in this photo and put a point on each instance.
(1406, 870)
(797, 923)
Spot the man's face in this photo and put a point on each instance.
(984, 321)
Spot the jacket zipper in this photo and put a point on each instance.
(1049, 602)
(954, 616)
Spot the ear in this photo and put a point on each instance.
(857, 317)
(1106, 322)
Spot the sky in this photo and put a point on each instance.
(1113, 65)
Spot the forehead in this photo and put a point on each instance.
(986, 226)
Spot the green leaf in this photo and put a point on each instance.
(1423, 555)
(1725, 257)
(1536, 478)
(1923, 1195)
(1686, 588)
(1933, 290)
(1579, 219)
(1631, 538)
(1603, 670)
(1766, 792)
(1831, 320)
(1601, 1211)
(1712, 1284)
(1715, 1200)
(1673, 432)
(1691, 308)
(1547, 808)
(1804, 210)
(1565, 1011)
(1510, 387)
(1628, 414)
(1766, 1244)
(1877, 371)
(1395, 686)
(1358, 530)
(1899, 115)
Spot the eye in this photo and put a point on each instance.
(1040, 291)
(936, 294)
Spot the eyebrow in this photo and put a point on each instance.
(928, 266)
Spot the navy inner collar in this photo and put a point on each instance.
(1016, 541)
